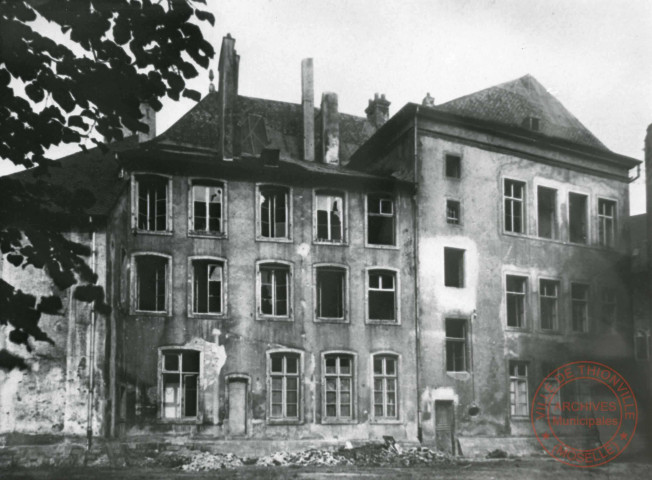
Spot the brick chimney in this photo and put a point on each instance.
(308, 106)
(148, 117)
(378, 111)
(330, 129)
(228, 96)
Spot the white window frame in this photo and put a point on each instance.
(324, 192)
(457, 340)
(514, 200)
(160, 387)
(191, 286)
(345, 295)
(515, 380)
(458, 220)
(288, 212)
(395, 200)
(556, 328)
(602, 219)
(586, 304)
(134, 179)
(525, 297)
(134, 285)
(300, 388)
(372, 416)
(206, 182)
(260, 264)
(397, 295)
(462, 267)
(354, 390)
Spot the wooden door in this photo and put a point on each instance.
(444, 426)
(237, 407)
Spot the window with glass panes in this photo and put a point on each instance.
(207, 286)
(580, 307)
(518, 389)
(274, 212)
(338, 386)
(329, 217)
(516, 290)
(274, 289)
(207, 208)
(284, 394)
(380, 220)
(606, 222)
(152, 193)
(548, 299)
(456, 347)
(385, 387)
(180, 383)
(151, 283)
(382, 295)
(514, 200)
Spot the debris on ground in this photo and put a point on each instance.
(389, 454)
(497, 453)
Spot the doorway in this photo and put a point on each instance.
(237, 391)
(444, 426)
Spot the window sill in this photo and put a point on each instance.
(207, 316)
(144, 313)
(216, 235)
(559, 242)
(555, 332)
(164, 233)
(331, 244)
(391, 323)
(459, 375)
(272, 318)
(325, 421)
(385, 421)
(331, 320)
(274, 240)
(280, 421)
(517, 329)
(381, 247)
(179, 421)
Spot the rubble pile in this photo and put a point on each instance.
(306, 458)
(206, 461)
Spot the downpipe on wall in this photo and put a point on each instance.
(91, 361)
(417, 326)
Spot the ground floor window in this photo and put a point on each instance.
(338, 387)
(285, 393)
(180, 383)
(385, 387)
(518, 389)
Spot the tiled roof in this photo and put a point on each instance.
(512, 103)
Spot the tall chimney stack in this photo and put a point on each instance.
(378, 111)
(330, 129)
(308, 105)
(228, 96)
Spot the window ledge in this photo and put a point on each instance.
(381, 247)
(331, 320)
(391, 323)
(144, 313)
(331, 244)
(459, 375)
(179, 421)
(561, 242)
(207, 316)
(165, 233)
(217, 236)
(517, 329)
(274, 240)
(338, 422)
(385, 421)
(272, 421)
(272, 318)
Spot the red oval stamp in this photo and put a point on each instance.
(584, 414)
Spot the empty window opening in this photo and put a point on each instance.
(207, 286)
(207, 212)
(382, 295)
(516, 291)
(274, 290)
(339, 384)
(606, 222)
(331, 284)
(456, 346)
(518, 389)
(533, 123)
(385, 387)
(580, 307)
(453, 211)
(330, 217)
(547, 212)
(453, 166)
(380, 220)
(152, 203)
(151, 283)
(274, 213)
(514, 206)
(284, 394)
(180, 383)
(549, 299)
(453, 267)
(577, 218)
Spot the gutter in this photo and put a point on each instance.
(417, 327)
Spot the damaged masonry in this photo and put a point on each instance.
(279, 272)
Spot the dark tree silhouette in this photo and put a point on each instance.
(118, 55)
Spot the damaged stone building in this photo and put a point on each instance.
(279, 271)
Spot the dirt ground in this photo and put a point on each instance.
(510, 469)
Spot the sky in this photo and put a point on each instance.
(593, 55)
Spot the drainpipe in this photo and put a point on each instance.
(91, 361)
(417, 327)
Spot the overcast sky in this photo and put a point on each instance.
(593, 55)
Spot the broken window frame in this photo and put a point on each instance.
(274, 266)
(518, 389)
(317, 281)
(545, 297)
(166, 282)
(552, 214)
(332, 231)
(183, 375)
(583, 232)
(285, 377)
(518, 298)
(152, 220)
(379, 289)
(456, 346)
(460, 260)
(453, 212)
(266, 215)
(386, 212)
(453, 166)
(340, 377)
(607, 222)
(514, 206)
(381, 382)
(580, 295)
(192, 304)
(193, 185)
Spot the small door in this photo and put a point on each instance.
(444, 426)
(237, 407)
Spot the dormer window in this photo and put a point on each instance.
(533, 123)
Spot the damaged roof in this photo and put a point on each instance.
(513, 103)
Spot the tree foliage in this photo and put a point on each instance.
(115, 56)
